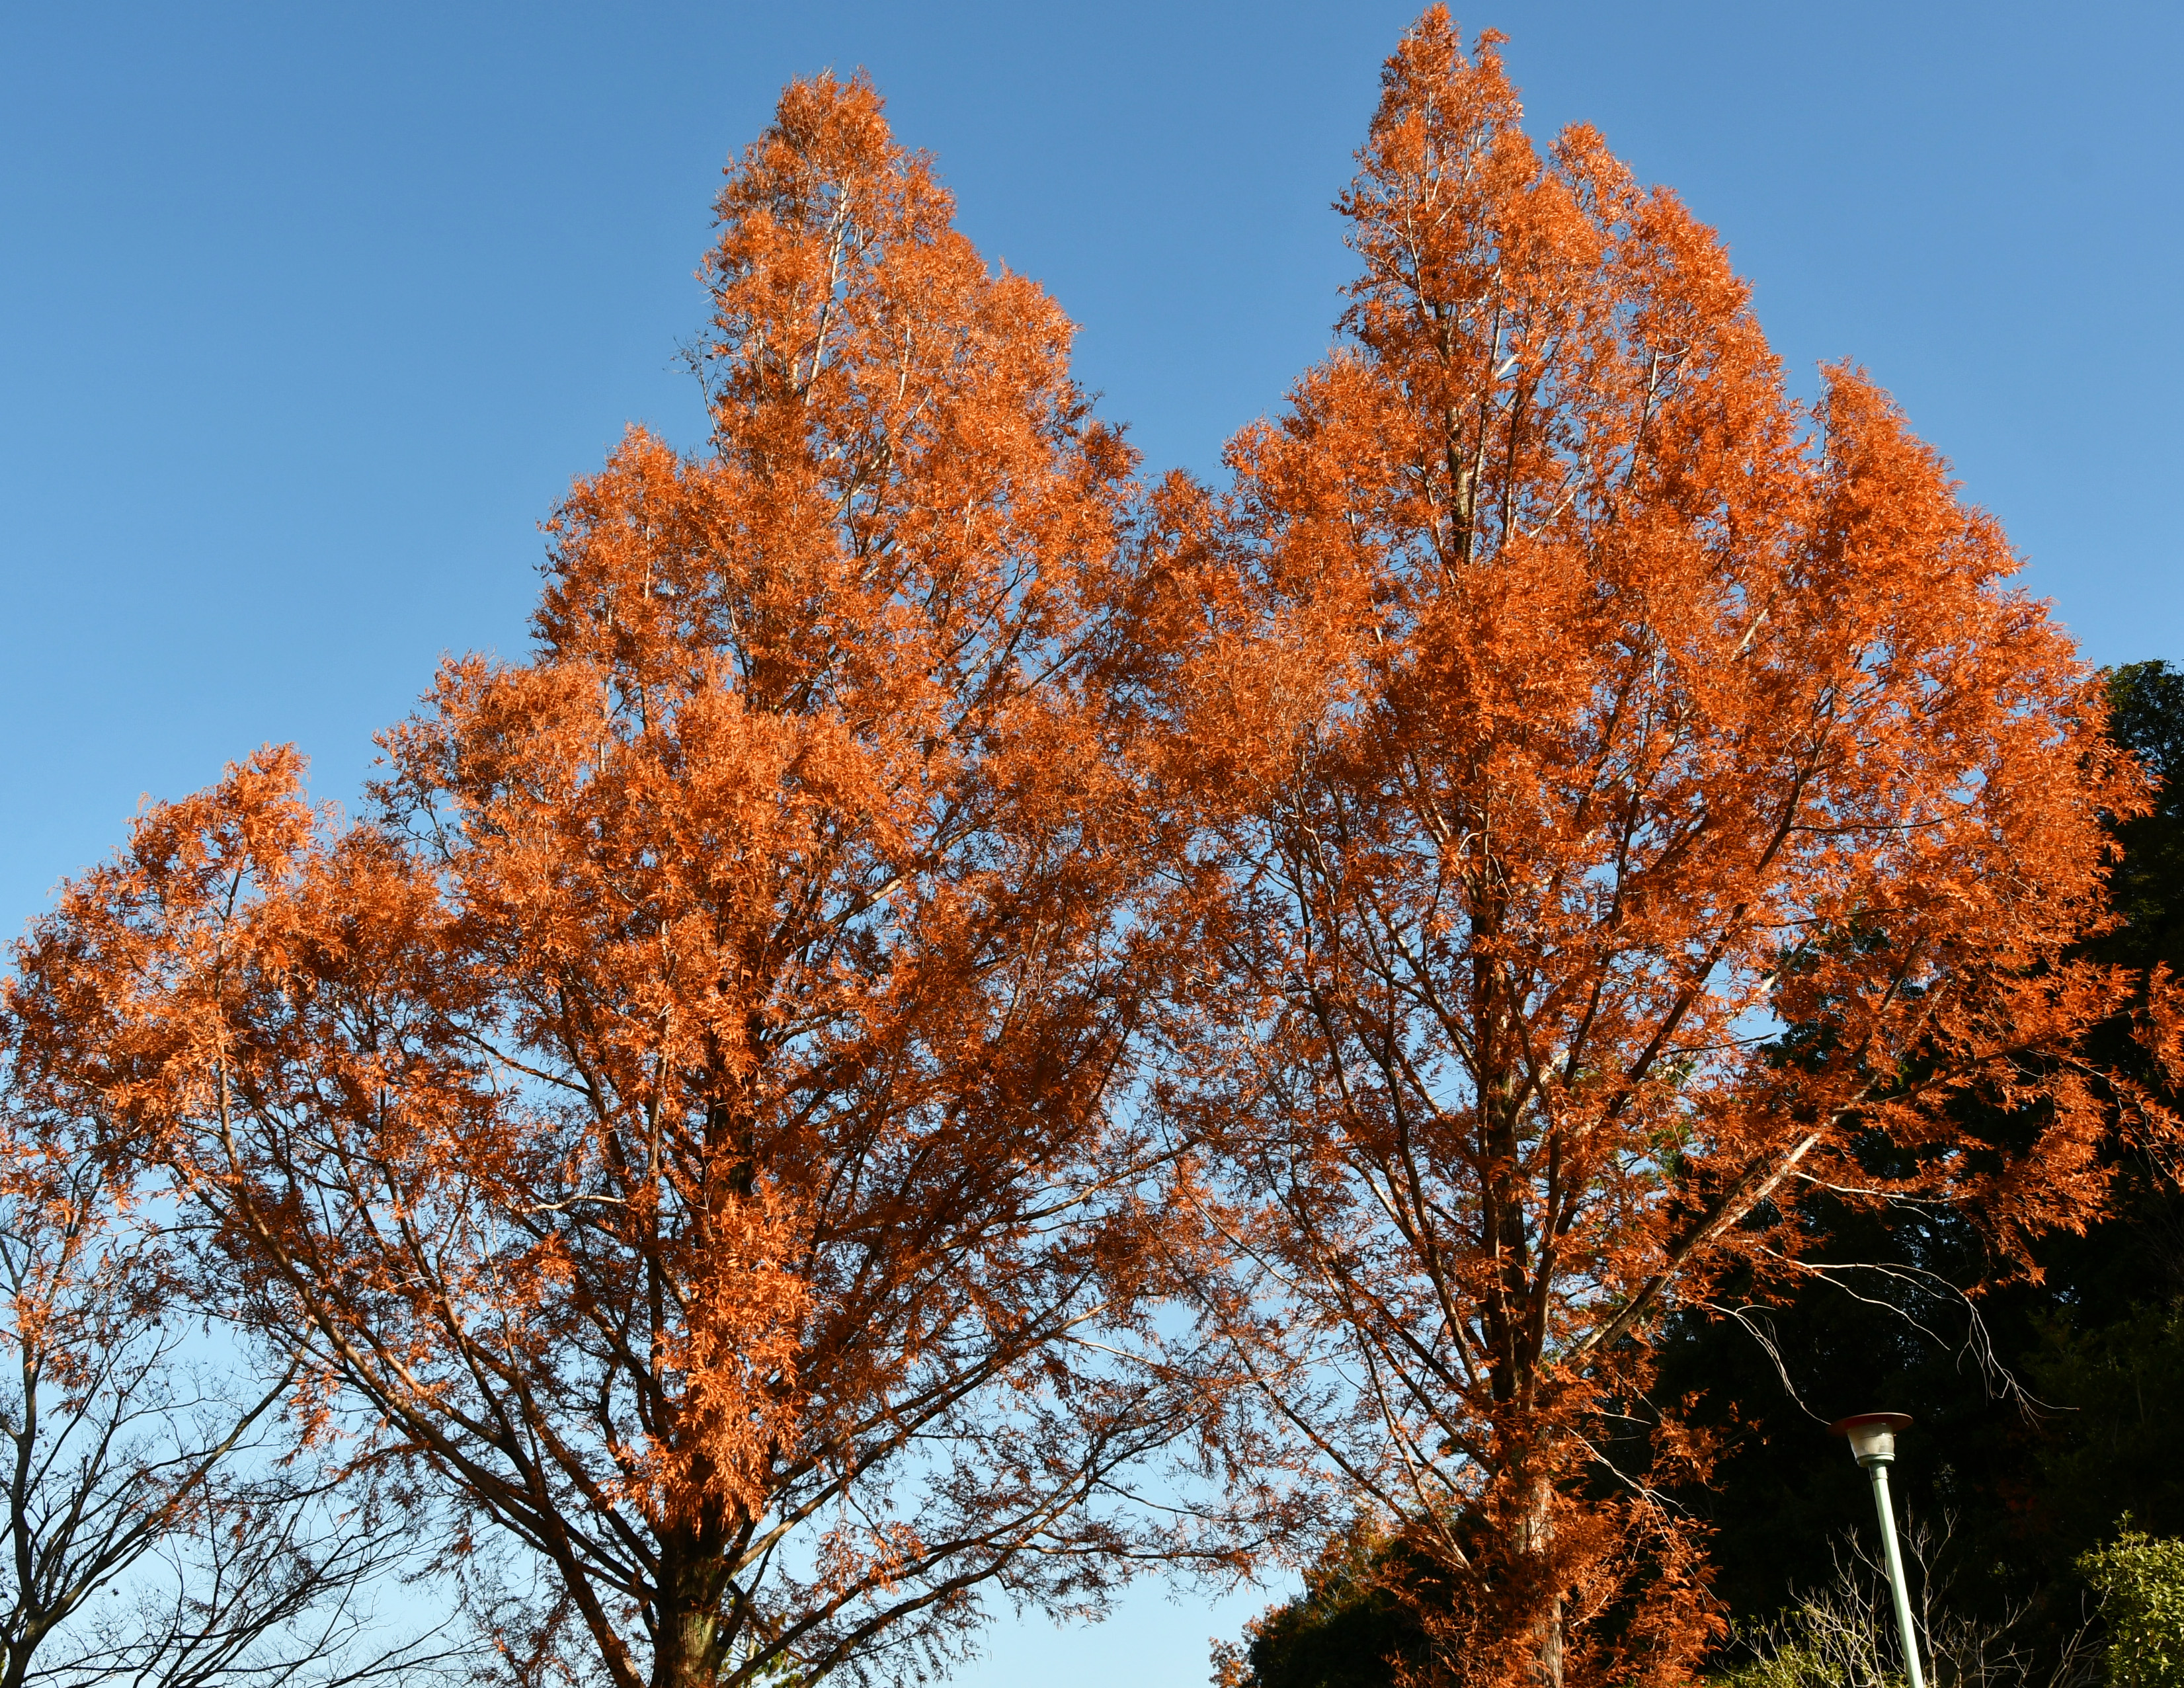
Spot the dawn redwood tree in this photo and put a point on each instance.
(1564, 710)
(679, 1125)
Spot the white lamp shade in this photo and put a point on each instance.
(1872, 1434)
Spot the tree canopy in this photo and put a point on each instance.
(1631, 804)
(676, 1125)
(965, 1023)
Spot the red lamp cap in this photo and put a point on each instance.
(1876, 1421)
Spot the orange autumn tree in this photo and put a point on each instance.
(680, 1125)
(1569, 713)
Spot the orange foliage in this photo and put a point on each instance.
(684, 1112)
(1573, 797)
(1568, 714)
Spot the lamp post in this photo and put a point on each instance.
(1873, 1445)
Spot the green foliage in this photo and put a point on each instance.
(2145, 705)
(1799, 1665)
(1841, 1635)
(2120, 1379)
(2140, 1584)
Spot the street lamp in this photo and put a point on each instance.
(1873, 1445)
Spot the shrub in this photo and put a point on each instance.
(2140, 1580)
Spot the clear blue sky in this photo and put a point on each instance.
(308, 313)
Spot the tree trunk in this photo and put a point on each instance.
(690, 1648)
(1535, 1542)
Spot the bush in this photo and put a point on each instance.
(2140, 1584)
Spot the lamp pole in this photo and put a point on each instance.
(1873, 1445)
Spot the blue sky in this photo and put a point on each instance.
(308, 313)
